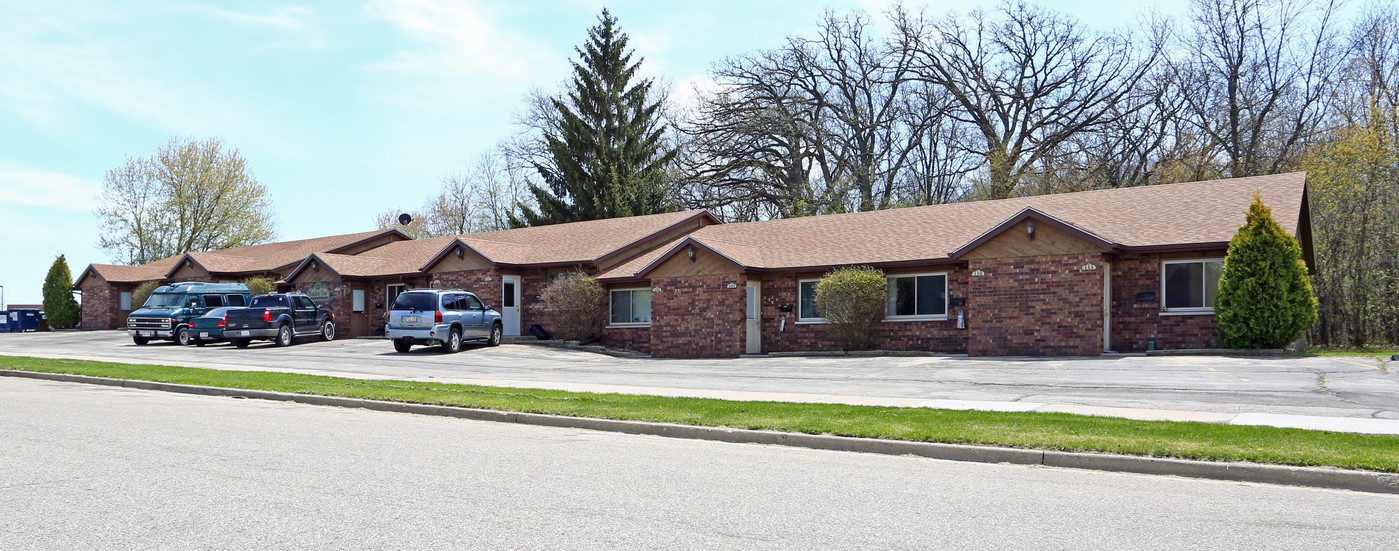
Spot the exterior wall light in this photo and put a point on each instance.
(691, 253)
(315, 267)
(1030, 229)
(460, 253)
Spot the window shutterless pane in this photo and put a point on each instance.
(236, 300)
(1185, 285)
(213, 301)
(1213, 269)
(508, 301)
(641, 306)
(902, 296)
(125, 300)
(357, 300)
(808, 301)
(931, 290)
(752, 303)
(621, 306)
(472, 303)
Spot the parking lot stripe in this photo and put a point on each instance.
(1374, 367)
(1061, 370)
(1244, 379)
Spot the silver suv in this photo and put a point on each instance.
(441, 316)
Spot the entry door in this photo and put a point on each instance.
(510, 304)
(754, 321)
(1107, 307)
(359, 314)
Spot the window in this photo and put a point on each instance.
(270, 301)
(303, 303)
(125, 300)
(392, 291)
(806, 307)
(631, 306)
(418, 302)
(1190, 285)
(917, 296)
(357, 300)
(235, 300)
(213, 301)
(470, 302)
(508, 300)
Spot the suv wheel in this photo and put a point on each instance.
(140, 341)
(401, 345)
(182, 336)
(494, 339)
(328, 331)
(240, 343)
(198, 342)
(284, 335)
(453, 343)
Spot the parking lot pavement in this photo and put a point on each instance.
(1209, 388)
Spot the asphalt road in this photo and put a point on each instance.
(1338, 387)
(91, 467)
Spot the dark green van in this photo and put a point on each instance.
(171, 309)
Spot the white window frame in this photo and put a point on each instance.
(610, 323)
(1189, 310)
(946, 283)
(124, 301)
(800, 319)
(388, 302)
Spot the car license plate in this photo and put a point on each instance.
(148, 333)
(410, 319)
(242, 333)
(203, 335)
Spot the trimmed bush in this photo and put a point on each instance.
(852, 301)
(143, 292)
(576, 306)
(59, 306)
(259, 285)
(1265, 298)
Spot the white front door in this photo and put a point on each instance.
(754, 319)
(510, 304)
(1107, 307)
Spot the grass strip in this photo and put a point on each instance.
(1053, 431)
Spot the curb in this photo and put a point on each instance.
(1362, 481)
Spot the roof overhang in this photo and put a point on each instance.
(1029, 213)
(624, 249)
(306, 263)
(689, 241)
(451, 248)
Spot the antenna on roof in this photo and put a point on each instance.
(404, 219)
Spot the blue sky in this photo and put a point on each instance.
(343, 109)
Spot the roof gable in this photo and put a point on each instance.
(1034, 233)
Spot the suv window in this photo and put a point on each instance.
(415, 301)
(266, 301)
(473, 303)
(303, 303)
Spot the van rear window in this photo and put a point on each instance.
(415, 301)
(236, 300)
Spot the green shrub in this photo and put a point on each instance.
(59, 306)
(1265, 298)
(260, 285)
(143, 292)
(852, 301)
(576, 306)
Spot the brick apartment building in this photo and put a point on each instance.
(1068, 274)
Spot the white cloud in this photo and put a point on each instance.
(458, 39)
(296, 26)
(22, 186)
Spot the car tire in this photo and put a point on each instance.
(140, 341)
(240, 343)
(328, 331)
(198, 342)
(182, 336)
(496, 331)
(453, 343)
(401, 345)
(284, 335)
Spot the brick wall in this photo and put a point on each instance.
(100, 306)
(631, 338)
(698, 317)
(1043, 305)
(932, 336)
(1134, 323)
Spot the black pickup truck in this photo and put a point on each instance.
(279, 317)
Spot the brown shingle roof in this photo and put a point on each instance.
(399, 257)
(1196, 213)
(577, 242)
(270, 256)
(118, 273)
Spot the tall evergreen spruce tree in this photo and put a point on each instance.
(59, 306)
(606, 158)
(1265, 297)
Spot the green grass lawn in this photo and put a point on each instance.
(1054, 431)
(1378, 352)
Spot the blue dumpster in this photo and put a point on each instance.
(24, 319)
(4, 321)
